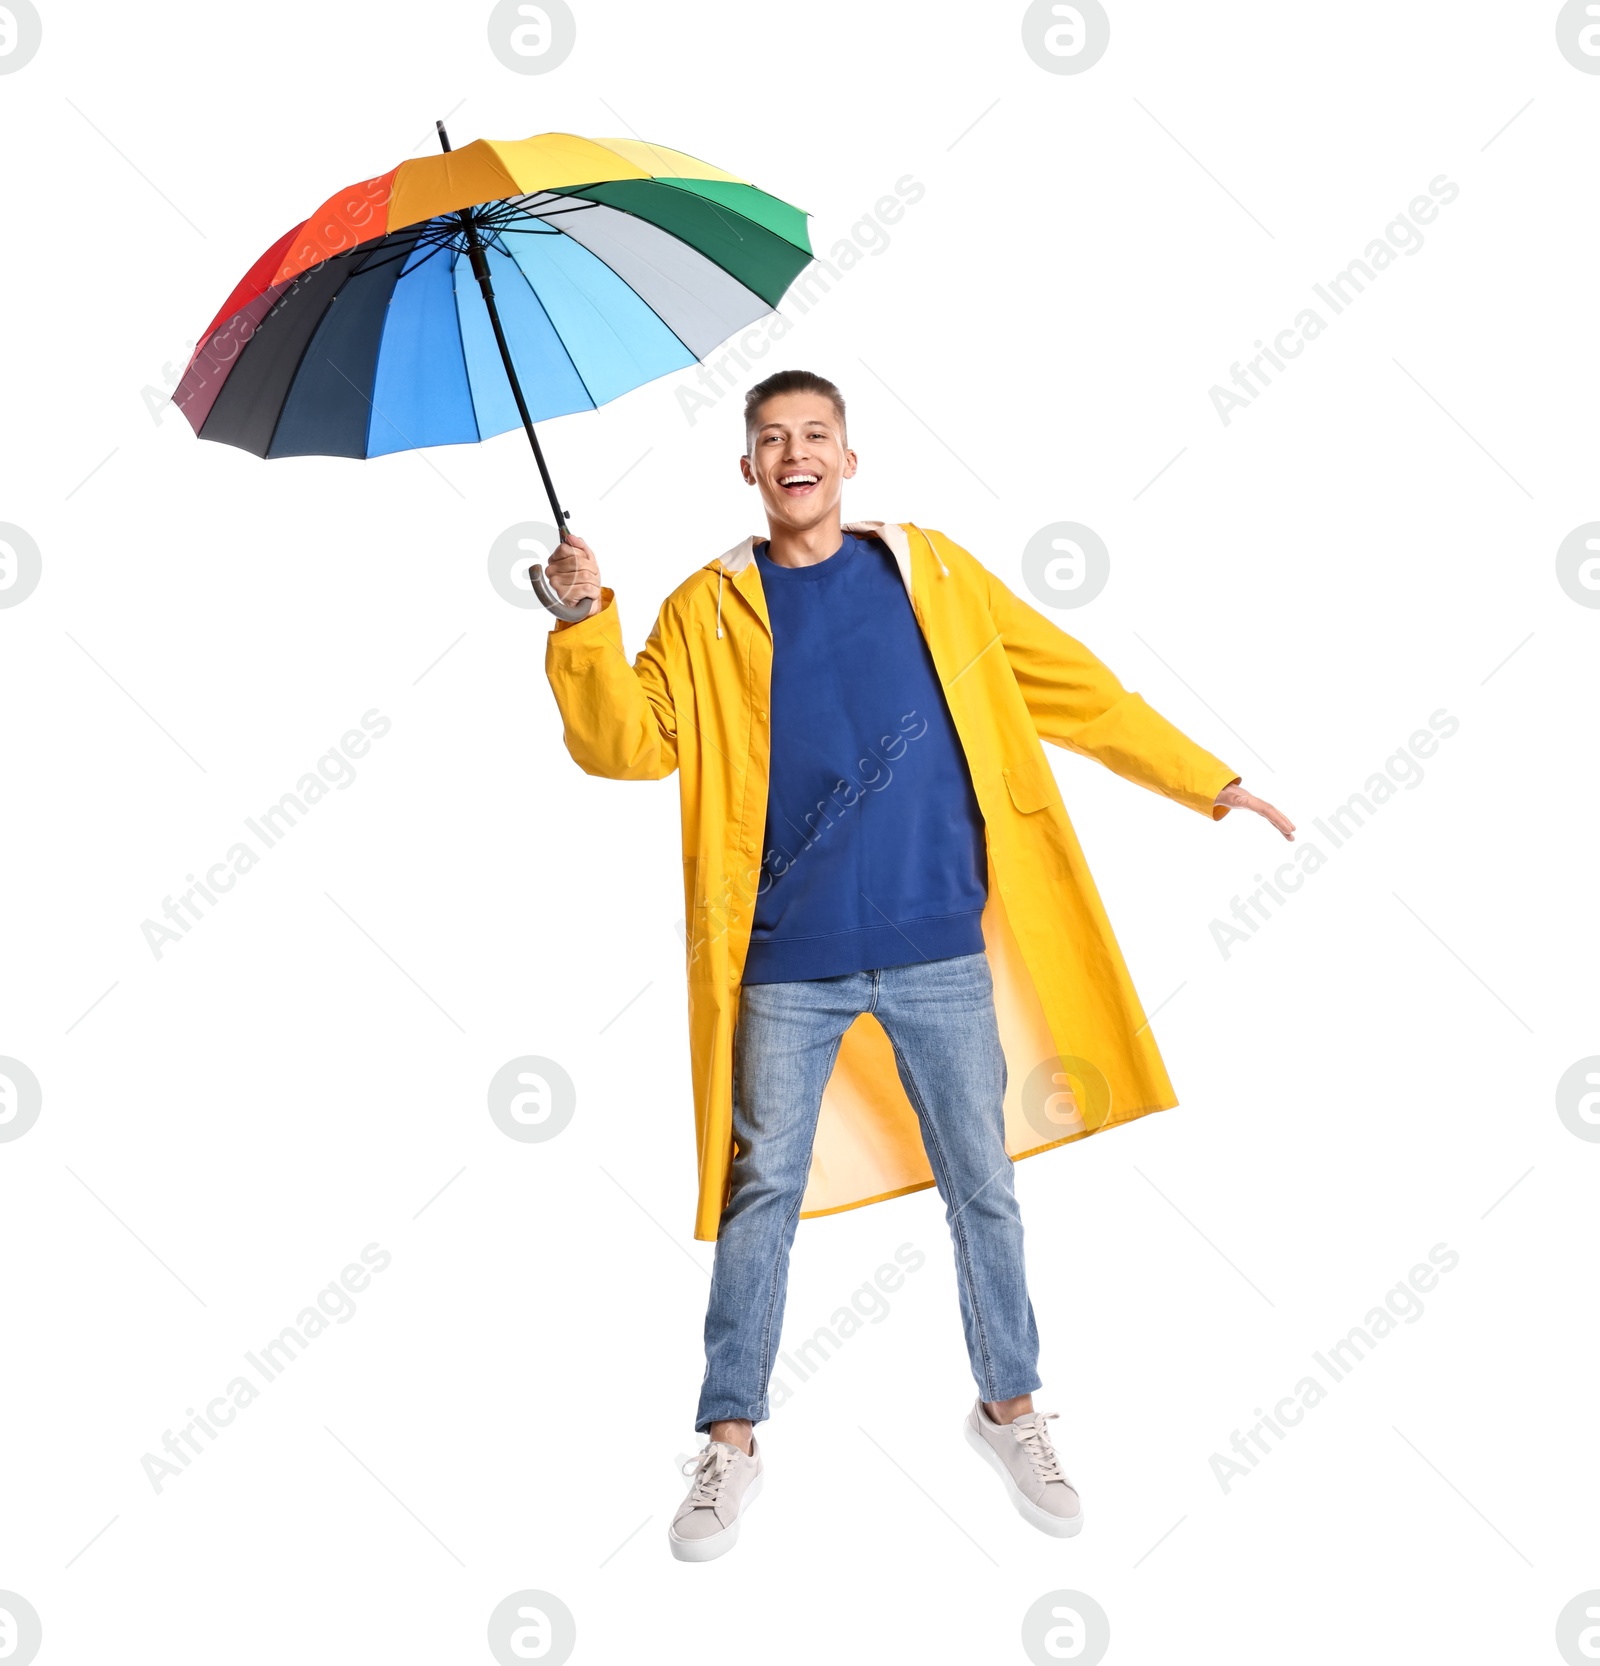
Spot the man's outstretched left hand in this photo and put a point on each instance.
(1236, 798)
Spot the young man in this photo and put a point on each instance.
(867, 702)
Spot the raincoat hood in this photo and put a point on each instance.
(742, 557)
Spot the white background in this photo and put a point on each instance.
(224, 1128)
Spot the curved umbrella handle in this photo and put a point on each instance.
(570, 612)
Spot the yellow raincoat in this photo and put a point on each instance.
(1079, 1054)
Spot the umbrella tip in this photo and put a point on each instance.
(444, 138)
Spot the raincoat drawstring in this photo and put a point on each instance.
(944, 571)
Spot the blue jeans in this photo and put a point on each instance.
(939, 1015)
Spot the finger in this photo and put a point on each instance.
(1273, 813)
(1268, 812)
(566, 562)
(1236, 797)
(569, 592)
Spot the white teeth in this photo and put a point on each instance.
(798, 480)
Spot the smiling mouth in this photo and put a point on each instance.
(798, 484)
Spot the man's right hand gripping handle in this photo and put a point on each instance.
(573, 573)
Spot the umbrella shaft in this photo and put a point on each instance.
(480, 270)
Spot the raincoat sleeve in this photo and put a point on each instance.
(1076, 702)
(618, 720)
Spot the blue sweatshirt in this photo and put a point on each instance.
(874, 852)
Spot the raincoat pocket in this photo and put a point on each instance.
(1032, 785)
(710, 913)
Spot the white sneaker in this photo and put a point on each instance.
(1020, 1453)
(725, 1481)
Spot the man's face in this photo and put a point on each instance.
(799, 460)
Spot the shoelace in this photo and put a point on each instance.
(1035, 1439)
(710, 1469)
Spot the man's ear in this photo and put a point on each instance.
(747, 471)
(849, 465)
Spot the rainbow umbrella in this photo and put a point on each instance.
(601, 264)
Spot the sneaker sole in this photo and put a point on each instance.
(714, 1545)
(1058, 1527)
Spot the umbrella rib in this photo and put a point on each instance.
(710, 202)
(497, 222)
(498, 225)
(299, 363)
(556, 193)
(461, 343)
(699, 358)
(715, 207)
(645, 300)
(576, 207)
(722, 213)
(294, 375)
(404, 254)
(410, 443)
(278, 301)
(771, 306)
(594, 404)
(372, 409)
(354, 270)
(367, 265)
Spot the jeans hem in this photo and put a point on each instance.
(1031, 1387)
(729, 1413)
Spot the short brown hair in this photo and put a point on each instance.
(788, 381)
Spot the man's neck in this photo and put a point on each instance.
(804, 547)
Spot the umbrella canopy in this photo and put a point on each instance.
(610, 262)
